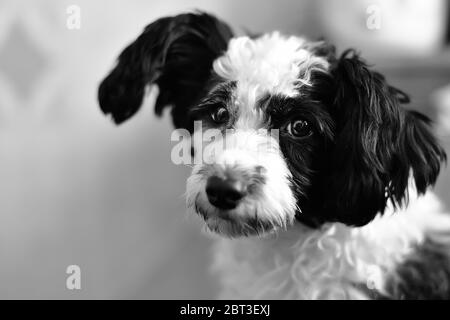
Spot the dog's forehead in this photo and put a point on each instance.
(271, 64)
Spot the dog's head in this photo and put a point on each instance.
(306, 134)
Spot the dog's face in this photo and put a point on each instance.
(265, 92)
(306, 134)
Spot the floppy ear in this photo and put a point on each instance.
(176, 53)
(378, 146)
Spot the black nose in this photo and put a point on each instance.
(224, 193)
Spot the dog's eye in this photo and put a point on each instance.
(299, 128)
(220, 115)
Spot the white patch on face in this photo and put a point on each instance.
(270, 64)
(272, 204)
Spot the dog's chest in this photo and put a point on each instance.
(335, 262)
(320, 265)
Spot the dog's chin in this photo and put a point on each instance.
(236, 223)
(234, 228)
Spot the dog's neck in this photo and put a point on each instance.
(331, 262)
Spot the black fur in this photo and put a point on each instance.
(176, 53)
(425, 274)
(377, 144)
(304, 156)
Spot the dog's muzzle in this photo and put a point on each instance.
(244, 188)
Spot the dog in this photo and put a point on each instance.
(336, 206)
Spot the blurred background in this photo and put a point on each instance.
(75, 189)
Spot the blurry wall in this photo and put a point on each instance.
(74, 189)
(385, 28)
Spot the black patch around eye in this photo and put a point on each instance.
(283, 111)
(205, 109)
(218, 99)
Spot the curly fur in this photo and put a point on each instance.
(274, 63)
(330, 262)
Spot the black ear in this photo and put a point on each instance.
(378, 146)
(418, 153)
(176, 53)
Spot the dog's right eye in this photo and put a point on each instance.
(220, 115)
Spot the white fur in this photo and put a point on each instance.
(325, 264)
(245, 150)
(272, 64)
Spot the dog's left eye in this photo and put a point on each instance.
(299, 128)
(220, 115)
